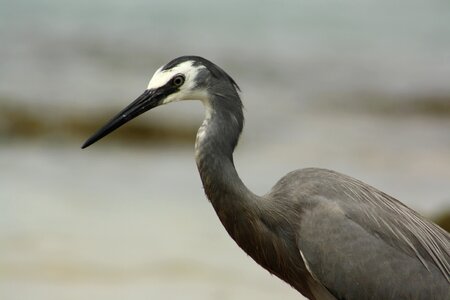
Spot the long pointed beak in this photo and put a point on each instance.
(148, 100)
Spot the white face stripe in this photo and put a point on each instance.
(153, 82)
(187, 91)
(161, 77)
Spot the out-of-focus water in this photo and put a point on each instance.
(115, 222)
(84, 52)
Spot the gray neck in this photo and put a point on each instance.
(216, 140)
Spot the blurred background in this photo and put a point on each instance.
(361, 87)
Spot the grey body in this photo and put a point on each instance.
(328, 235)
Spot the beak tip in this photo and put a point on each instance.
(86, 144)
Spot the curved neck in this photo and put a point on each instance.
(215, 143)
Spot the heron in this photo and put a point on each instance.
(328, 235)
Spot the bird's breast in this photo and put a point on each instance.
(277, 254)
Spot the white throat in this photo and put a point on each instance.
(201, 133)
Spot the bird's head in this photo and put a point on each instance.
(184, 78)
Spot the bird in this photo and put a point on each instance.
(326, 234)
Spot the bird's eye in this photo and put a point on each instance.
(178, 80)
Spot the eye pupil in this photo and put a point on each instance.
(178, 80)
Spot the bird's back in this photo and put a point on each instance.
(359, 242)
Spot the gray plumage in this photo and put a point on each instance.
(328, 235)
